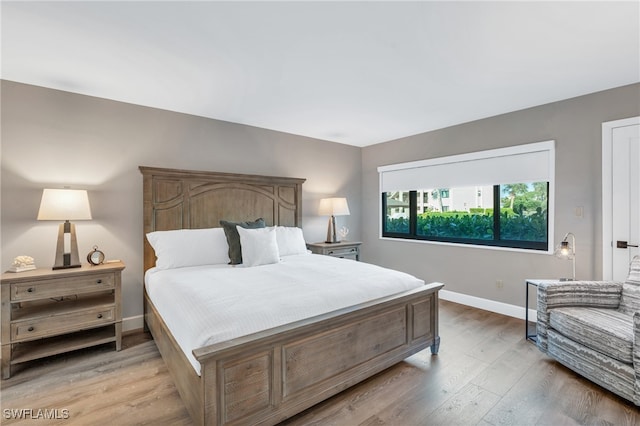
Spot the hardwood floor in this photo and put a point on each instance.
(485, 374)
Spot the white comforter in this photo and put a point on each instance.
(203, 305)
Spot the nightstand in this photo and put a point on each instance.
(47, 312)
(343, 249)
(532, 337)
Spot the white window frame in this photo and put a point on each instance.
(470, 157)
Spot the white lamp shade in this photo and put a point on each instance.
(64, 204)
(333, 207)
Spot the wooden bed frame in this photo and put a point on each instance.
(271, 375)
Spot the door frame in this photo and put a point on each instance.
(607, 191)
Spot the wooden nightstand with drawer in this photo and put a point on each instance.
(47, 312)
(344, 249)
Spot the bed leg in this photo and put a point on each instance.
(435, 346)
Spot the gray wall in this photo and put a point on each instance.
(576, 126)
(52, 139)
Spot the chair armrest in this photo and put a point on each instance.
(636, 355)
(595, 294)
(558, 294)
(636, 338)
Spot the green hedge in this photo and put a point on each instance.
(514, 225)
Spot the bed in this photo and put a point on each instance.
(268, 375)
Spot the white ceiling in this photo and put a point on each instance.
(357, 73)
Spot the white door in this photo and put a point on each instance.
(621, 196)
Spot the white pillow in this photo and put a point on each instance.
(290, 241)
(259, 246)
(189, 247)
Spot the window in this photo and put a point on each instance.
(497, 208)
(397, 212)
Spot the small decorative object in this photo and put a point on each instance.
(95, 257)
(344, 231)
(22, 263)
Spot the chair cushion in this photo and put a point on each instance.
(607, 331)
(630, 300)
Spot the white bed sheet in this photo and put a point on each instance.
(203, 305)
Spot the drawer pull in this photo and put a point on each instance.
(99, 316)
(31, 328)
(30, 290)
(99, 282)
(331, 252)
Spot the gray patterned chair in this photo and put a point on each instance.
(593, 328)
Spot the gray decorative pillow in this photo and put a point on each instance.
(233, 239)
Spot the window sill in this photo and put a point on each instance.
(472, 246)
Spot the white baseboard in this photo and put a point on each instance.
(488, 305)
(133, 323)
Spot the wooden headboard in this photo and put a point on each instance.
(185, 199)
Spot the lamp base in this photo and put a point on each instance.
(331, 231)
(66, 266)
(67, 258)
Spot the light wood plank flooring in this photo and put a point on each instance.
(485, 374)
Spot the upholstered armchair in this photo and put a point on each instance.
(593, 328)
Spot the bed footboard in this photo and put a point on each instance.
(269, 376)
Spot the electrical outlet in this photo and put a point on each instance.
(499, 284)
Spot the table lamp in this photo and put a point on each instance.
(333, 207)
(67, 205)
(564, 250)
